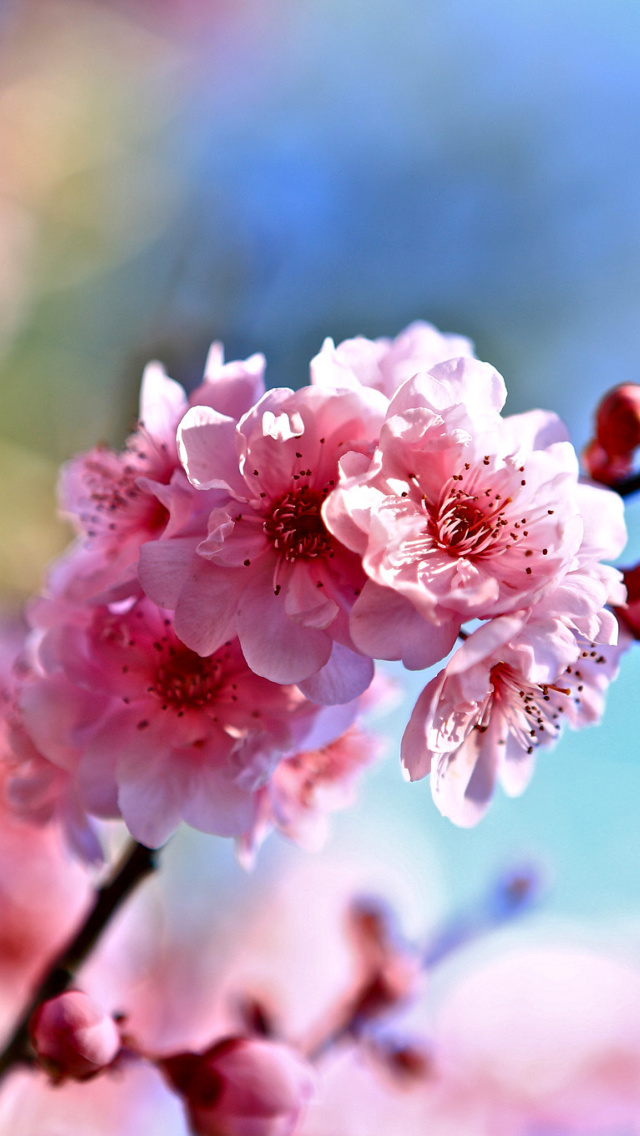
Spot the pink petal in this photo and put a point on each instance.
(162, 403)
(213, 802)
(605, 533)
(232, 388)
(385, 625)
(534, 430)
(415, 756)
(164, 568)
(275, 646)
(54, 711)
(208, 450)
(346, 676)
(150, 791)
(485, 641)
(516, 768)
(305, 602)
(463, 783)
(205, 614)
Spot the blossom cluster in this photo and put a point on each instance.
(202, 651)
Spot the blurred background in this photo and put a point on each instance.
(269, 172)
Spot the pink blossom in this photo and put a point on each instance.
(461, 514)
(43, 792)
(73, 1037)
(145, 729)
(242, 1087)
(306, 786)
(506, 691)
(269, 570)
(118, 501)
(384, 364)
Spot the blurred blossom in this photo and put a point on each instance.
(42, 893)
(550, 1036)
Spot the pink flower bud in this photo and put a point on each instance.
(241, 1087)
(73, 1038)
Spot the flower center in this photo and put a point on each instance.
(295, 526)
(186, 681)
(469, 524)
(531, 711)
(115, 501)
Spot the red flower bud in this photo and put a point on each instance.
(629, 615)
(618, 420)
(603, 468)
(241, 1087)
(73, 1038)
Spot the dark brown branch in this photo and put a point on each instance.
(136, 863)
(628, 486)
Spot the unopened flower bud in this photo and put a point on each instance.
(629, 615)
(390, 972)
(241, 1087)
(602, 467)
(406, 1061)
(73, 1038)
(618, 420)
(609, 456)
(393, 984)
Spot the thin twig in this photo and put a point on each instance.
(628, 486)
(135, 863)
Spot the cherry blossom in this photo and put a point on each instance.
(142, 727)
(119, 500)
(506, 691)
(384, 364)
(306, 786)
(269, 570)
(461, 514)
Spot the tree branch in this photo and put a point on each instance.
(135, 863)
(628, 486)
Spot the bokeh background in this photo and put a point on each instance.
(269, 172)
